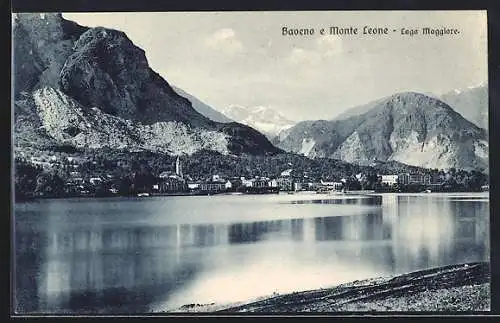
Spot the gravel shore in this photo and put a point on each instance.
(464, 287)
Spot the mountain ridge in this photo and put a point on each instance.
(203, 108)
(408, 127)
(471, 103)
(62, 69)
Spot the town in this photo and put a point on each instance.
(175, 182)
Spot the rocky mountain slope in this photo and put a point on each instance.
(202, 107)
(471, 103)
(410, 128)
(92, 87)
(264, 119)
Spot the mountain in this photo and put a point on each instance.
(202, 107)
(471, 103)
(264, 119)
(93, 88)
(409, 127)
(357, 110)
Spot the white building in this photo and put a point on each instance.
(95, 180)
(273, 183)
(228, 185)
(246, 182)
(389, 179)
(333, 185)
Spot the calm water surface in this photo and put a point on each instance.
(129, 255)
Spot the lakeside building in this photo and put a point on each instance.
(437, 179)
(389, 179)
(361, 177)
(331, 185)
(258, 185)
(46, 163)
(172, 184)
(212, 186)
(285, 183)
(404, 178)
(311, 186)
(260, 182)
(414, 178)
(273, 183)
(246, 182)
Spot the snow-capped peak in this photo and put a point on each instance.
(481, 84)
(262, 118)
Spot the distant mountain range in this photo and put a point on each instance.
(203, 108)
(409, 127)
(92, 87)
(268, 121)
(471, 103)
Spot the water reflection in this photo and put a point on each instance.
(372, 200)
(104, 268)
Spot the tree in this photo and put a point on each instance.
(124, 186)
(25, 178)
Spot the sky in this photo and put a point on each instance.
(242, 58)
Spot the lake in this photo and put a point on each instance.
(138, 255)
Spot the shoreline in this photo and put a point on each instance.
(296, 193)
(463, 287)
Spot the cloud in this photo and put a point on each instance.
(264, 48)
(301, 56)
(329, 45)
(324, 48)
(224, 40)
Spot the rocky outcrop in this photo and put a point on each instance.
(106, 70)
(410, 128)
(42, 43)
(92, 87)
(70, 123)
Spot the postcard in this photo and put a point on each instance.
(250, 161)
